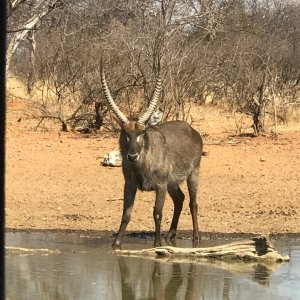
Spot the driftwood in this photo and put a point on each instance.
(255, 249)
(29, 251)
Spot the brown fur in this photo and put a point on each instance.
(133, 126)
(167, 155)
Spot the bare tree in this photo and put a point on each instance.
(231, 49)
(26, 25)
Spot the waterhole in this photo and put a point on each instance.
(81, 266)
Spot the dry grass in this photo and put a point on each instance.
(208, 119)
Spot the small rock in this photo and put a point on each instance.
(262, 159)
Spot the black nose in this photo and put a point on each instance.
(133, 157)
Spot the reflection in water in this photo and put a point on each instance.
(262, 274)
(99, 274)
(181, 279)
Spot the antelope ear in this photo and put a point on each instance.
(155, 118)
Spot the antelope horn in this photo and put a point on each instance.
(153, 102)
(109, 98)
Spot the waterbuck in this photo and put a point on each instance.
(157, 158)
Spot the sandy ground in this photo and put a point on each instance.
(55, 180)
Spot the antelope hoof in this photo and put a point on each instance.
(157, 243)
(171, 242)
(196, 241)
(171, 234)
(116, 245)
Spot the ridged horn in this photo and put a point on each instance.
(109, 98)
(153, 102)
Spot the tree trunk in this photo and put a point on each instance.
(259, 119)
(19, 36)
(257, 249)
(260, 106)
(98, 118)
(32, 46)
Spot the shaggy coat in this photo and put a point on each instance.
(169, 154)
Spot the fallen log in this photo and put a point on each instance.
(255, 249)
(29, 251)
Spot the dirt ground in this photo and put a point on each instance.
(55, 180)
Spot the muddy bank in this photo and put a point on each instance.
(182, 235)
(55, 181)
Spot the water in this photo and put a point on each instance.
(88, 269)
